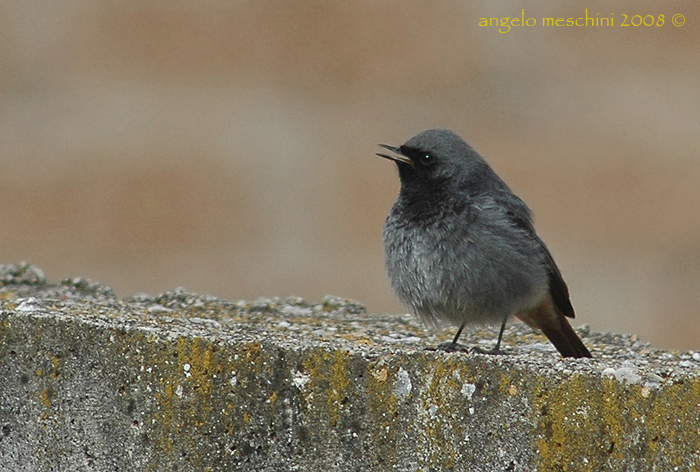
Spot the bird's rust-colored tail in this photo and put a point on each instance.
(547, 318)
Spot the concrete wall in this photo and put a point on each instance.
(190, 383)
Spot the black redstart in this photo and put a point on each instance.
(461, 247)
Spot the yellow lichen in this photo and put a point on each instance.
(197, 354)
(381, 373)
(444, 424)
(55, 362)
(382, 410)
(579, 424)
(677, 405)
(45, 397)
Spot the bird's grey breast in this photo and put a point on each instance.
(461, 262)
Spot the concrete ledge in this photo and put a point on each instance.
(190, 383)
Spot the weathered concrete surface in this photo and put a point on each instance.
(190, 383)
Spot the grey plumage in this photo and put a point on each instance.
(461, 247)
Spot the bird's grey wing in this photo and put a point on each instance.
(521, 216)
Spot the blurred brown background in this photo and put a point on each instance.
(228, 146)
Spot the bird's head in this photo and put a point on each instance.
(435, 159)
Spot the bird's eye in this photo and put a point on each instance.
(426, 159)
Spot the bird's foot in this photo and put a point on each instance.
(450, 347)
(496, 351)
(457, 347)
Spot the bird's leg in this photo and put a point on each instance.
(454, 346)
(497, 348)
(459, 333)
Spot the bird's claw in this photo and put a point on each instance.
(456, 347)
(496, 351)
(450, 347)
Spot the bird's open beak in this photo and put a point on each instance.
(398, 157)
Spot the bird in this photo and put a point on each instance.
(461, 246)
